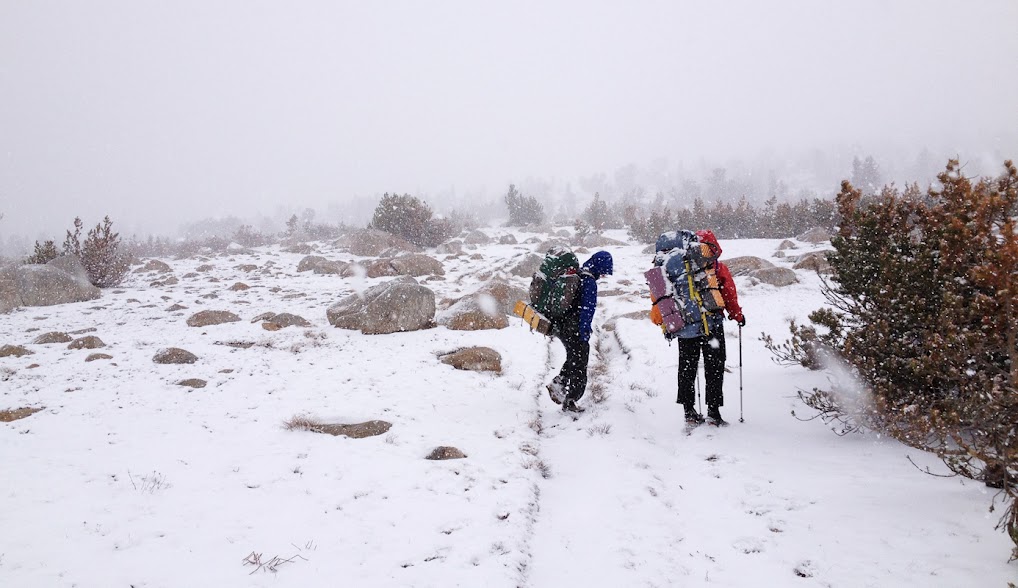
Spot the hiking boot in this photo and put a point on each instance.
(693, 417)
(556, 392)
(570, 406)
(714, 417)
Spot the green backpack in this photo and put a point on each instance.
(554, 286)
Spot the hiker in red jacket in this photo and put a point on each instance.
(713, 347)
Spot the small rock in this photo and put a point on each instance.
(445, 452)
(263, 317)
(207, 318)
(176, 307)
(88, 342)
(283, 320)
(96, 356)
(240, 286)
(52, 337)
(477, 359)
(174, 355)
(356, 431)
(193, 383)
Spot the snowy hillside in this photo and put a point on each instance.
(125, 478)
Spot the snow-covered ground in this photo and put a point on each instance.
(127, 479)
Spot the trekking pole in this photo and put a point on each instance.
(699, 407)
(741, 420)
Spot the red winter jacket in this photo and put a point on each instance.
(725, 279)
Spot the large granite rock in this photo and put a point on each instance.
(60, 281)
(740, 266)
(814, 261)
(815, 235)
(395, 306)
(416, 264)
(527, 265)
(775, 276)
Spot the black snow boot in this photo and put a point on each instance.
(569, 405)
(693, 417)
(714, 417)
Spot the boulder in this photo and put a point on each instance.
(372, 242)
(416, 264)
(174, 355)
(740, 266)
(507, 239)
(475, 312)
(787, 244)
(239, 287)
(504, 293)
(333, 268)
(598, 241)
(86, 342)
(450, 248)
(154, 265)
(193, 383)
(52, 337)
(60, 281)
(9, 296)
(477, 237)
(527, 265)
(207, 318)
(775, 276)
(394, 306)
(477, 359)
(309, 262)
(445, 452)
(814, 261)
(380, 268)
(98, 356)
(815, 235)
(283, 320)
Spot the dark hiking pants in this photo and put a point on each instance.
(573, 376)
(713, 348)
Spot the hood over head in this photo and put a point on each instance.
(707, 236)
(599, 264)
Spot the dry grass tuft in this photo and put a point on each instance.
(303, 422)
(599, 429)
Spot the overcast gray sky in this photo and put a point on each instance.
(159, 112)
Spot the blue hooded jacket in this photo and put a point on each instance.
(599, 264)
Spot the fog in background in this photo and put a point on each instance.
(164, 113)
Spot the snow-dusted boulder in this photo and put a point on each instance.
(60, 281)
(740, 266)
(814, 261)
(527, 265)
(415, 264)
(398, 305)
(775, 276)
(372, 242)
(815, 235)
(477, 237)
(477, 359)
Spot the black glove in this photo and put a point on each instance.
(742, 321)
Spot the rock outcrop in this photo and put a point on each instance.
(394, 306)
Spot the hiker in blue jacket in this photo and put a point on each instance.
(575, 329)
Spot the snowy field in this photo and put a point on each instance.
(125, 478)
